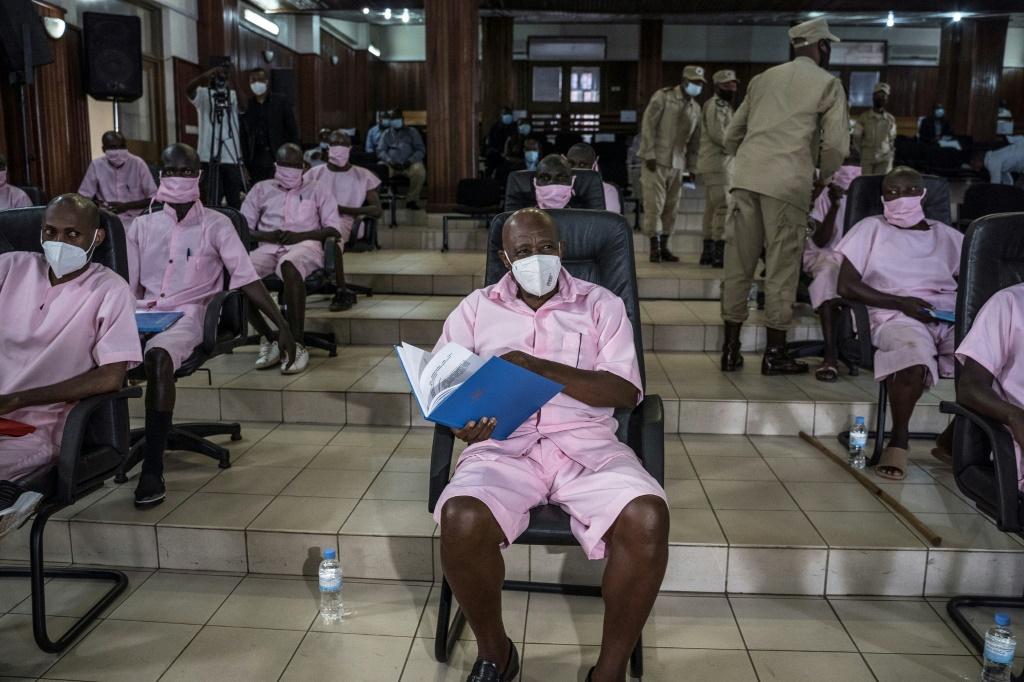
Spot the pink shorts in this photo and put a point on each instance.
(823, 267)
(307, 257)
(181, 339)
(512, 485)
(903, 342)
(20, 457)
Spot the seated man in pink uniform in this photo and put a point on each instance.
(68, 333)
(576, 333)
(290, 216)
(118, 181)
(354, 189)
(822, 262)
(10, 196)
(176, 258)
(582, 156)
(902, 266)
(992, 354)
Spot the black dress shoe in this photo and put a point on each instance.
(150, 491)
(707, 255)
(777, 361)
(486, 671)
(655, 250)
(666, 255)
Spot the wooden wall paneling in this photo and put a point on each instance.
(345, 95)
(915, 89)
(971, 64)
(184, 113)
(404, 85)
(307, 108)
(217, 29)
(1011, 89)
(649, 66)
(498, 77)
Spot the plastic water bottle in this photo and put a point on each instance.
(752, 297)
(331, 609)
(858, 441)
(1000, 644)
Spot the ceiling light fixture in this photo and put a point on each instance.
(257, 19)
(54, 26)
(366, 10)
(387, 13)
(405, 15)
(890, 20)
(373, 50)
(957, 16)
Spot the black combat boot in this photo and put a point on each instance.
(666, 255)
(655, 250)
(776, 359)
(707, 255)
(731, 358)
(718, 261)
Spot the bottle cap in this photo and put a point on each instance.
(1002, 619)
(858, 420)
(329, 553)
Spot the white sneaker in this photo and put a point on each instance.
(270, 354)
(301, 360)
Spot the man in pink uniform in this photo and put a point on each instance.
(576, 333)
(354, 189)
(176, 258)
(582, 156)
(118, 181)
(822, 262)
(68, 332)
(290, 216)
(10, 196)
(903, 266)
(992, 354)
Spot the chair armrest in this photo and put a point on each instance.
(211, 322)
(440, 463)
(330, 256)
(652, 436)
(73, 437)
(863, 324)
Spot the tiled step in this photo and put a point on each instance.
(364, 385)
(759, 514)
(457, 274)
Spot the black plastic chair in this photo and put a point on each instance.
(588, 192)
(477, 199)
(598, 248)
(93, 444)
(35, 194)
(984, 462)
(853, 331)
(983, 198)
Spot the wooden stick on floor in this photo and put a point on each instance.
(934, 538)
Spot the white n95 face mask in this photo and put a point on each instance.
(537, 275)
(67, 258)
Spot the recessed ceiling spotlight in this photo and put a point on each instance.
(890, 20)
(387, 13)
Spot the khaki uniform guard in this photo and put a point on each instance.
(793, 119)
(714, 166)
(874, 135)
(670, 135)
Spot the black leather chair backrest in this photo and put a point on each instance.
(588, 192)
(992, 258)
(983, 198)
(478, 192)
(233, 322)
(598, 249)
(35, 194)
(864, 199)
(20, 227)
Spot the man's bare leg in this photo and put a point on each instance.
(294, 299)
(637, 550)
(905, 389)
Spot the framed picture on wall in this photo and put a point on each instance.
(859, 53)
(862, 87)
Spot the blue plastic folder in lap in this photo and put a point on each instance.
(943, 315)
(154, 323)
(454, 386)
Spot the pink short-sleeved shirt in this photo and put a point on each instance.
(176, 264)
(131, 181)
(268, 206)
(583, 325)
(54, 333)
(13, 197)
(611, 198)
(842, 178)
(919, 263)
(346, 188)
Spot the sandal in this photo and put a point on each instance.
(894, 459)
(826, 372)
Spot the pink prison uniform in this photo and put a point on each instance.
(347, 188)
(268, 207)
(822, 262)
(131, 181)
(611, 198)
(51, 334)
(13, 197)
(567, 453)
(919, 263)
(996, 342)
(180, 267)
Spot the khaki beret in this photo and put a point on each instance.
(724, 76)
(694, 73)
(882, 87)
(810, 32)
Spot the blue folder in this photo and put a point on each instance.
(154, 323)
(499, 389)
(943, 315)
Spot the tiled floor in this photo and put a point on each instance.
(205, 626)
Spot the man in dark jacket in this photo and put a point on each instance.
(268, 123)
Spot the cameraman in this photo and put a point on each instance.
(213, 95)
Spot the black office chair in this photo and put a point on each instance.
(225, 328)
(598, 248)
(477, 199)
(853, 327)
(35, 194)
(983, 198)
(94, 442)
(984, 463)
(588, 193)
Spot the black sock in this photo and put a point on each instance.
(158, 425)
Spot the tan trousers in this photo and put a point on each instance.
(780, 228)
(876, 167)
(716, 208)
(417, 174)
(661, 199)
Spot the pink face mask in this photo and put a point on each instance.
(338, 154)
(905, 211)
(288, 178)
(116, 157)
(177, 190)
(553, 196)
(3, 177)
